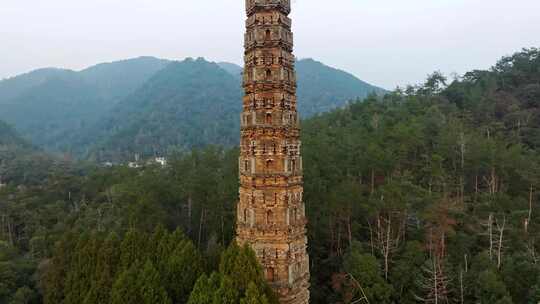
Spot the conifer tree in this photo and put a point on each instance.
(184, 266)
(125, 289)
(226, 294)
(106, 267)
(53, 278)
(150, 286)
(242, 266)
(202, 292)
(133, 248)
(78, 276)
(253, 296)
(154, 242)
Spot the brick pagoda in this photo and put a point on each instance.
(271, 213)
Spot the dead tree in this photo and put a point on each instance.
(388, 236)
(500, 227)
(434, 283)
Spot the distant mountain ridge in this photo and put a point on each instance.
(51, 106)
(322, 88)
(148, 105)
(188, 104)
(12, 87)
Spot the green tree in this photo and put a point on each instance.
(106, 268)
(132, 249)
(241, 265)
(365, 271)
(184, 266)
(253, 296)
(203, 292)
(226, 294)
(125, 289)
(24, 295)
(150, 286)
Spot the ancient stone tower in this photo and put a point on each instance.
(271, 213)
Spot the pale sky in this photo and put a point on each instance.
(384, 42)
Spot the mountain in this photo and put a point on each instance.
(13, 87)
(20, 161)
(322, 88)
(116, 80)
(9, 137)
(232, 68)
(196, 103)
(188, 104)
(51, 106)
(148, 105)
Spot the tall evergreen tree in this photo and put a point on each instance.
(125, 289)
(150, 286)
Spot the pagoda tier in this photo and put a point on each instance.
(271, 215)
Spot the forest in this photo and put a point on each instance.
(428, 194)
(145, 106)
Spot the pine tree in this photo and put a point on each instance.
(150, 286)
(80, 273)
(107, 264)
(202, 292)
(159, 234)
(133, 248)
(242, 266)
(253, 296)
(184, 266)
(125, 289)
(226, 294)
(53, 278)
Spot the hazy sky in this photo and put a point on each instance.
(385, 42)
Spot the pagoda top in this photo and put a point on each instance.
(254, 5)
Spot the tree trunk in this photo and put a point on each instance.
(435, 281)
(371, 239)
(462, 189)
(490, 231)
(475, 187)
(10, 232)
(201, 228)
(500, 245)
(462, 296)
(332, 233)
(531, 191)
(339, 239)
(222, 229)
(372, 181)
(349, 228)
(388, 245)
(190, 204)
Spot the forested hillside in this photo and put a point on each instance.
(114, 110)
(13, 87)
(322, 88)
(51, 106)
(430, 195)
(8, 136)
(193, 103)
(188, 104)
(20, 162)
(427, 195)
